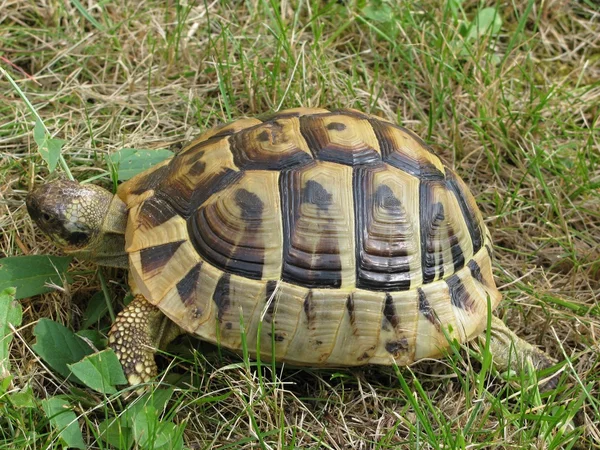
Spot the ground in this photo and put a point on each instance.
(507, 92)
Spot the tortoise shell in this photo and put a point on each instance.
(334, 237)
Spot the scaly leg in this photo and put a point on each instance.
(510, 351)
(139, 330)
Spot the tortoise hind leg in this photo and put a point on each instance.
(511, 352)
(139, 330)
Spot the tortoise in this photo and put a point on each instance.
(323, 238)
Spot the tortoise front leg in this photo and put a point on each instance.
(139, 330)
(511, 352)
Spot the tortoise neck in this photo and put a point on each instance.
(108, 249)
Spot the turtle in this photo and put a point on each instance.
(319, 238)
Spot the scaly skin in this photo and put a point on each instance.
(139, 330)
(509, 351)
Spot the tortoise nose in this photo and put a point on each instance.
(33, 206)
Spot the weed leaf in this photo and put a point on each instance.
(23, 399)
(96, 309)
(10, 314)
(63, 419)
(48, 147)
(32, 274)
(100, 371)
(150, 432)
(119, 432)
(58, 346)
(114, 433)
(378, 13)
(94, 338)
(130, 161)
(157, 399)
(487, 22)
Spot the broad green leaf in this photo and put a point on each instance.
(145, 427)
(172, 434)
(96, 309)
(119, 432)
(157, 399)
(378, 13)
(381, 16)
(64, 420)
(487, 22)
(58, 346)
(48, 147)
(10, 314)
(130, 161)
(23, 398)
(54, 147)
(5, 385)
(100, 371)
(94, 338)
(39, 133)
(150, 432)
(114, 433)
(31, 274)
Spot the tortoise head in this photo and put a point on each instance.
(70, 214)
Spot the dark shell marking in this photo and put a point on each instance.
(150, 181)
(309, 310)
(432, 223)
(426, 309)
(396, 348)
(326, 145)
(221, 296)
(186, 287)
(155, 258)
(389, 311)
(155, 212)
(211, 231)
(457, 253)
(350, 309)
(459, 296)
(468, 212)
(476, 271)
(267, 147)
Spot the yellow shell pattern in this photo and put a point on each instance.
(334, 237)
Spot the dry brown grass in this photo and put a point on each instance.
(522, 130)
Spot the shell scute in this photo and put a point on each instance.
(445, 241)
(387, 236)
(239, 229)
(341, 138)
(223, 130)
(318, 225)
(274, 145)
(196, 174)
(403, 150)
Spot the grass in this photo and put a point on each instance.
(514, 108)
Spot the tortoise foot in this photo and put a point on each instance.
(132, 337)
